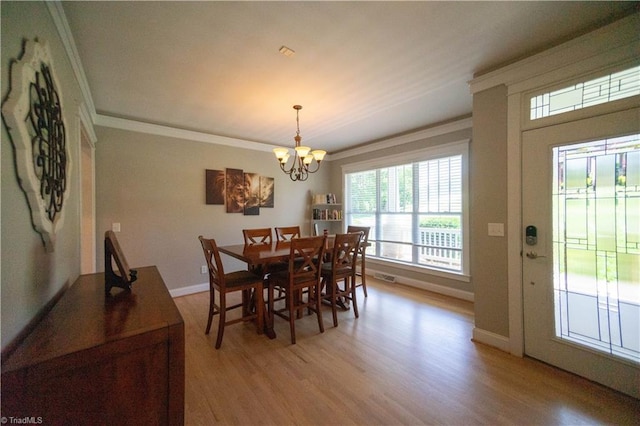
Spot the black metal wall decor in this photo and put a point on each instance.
(33, 115)
(49, 141)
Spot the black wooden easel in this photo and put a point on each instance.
(126, 276)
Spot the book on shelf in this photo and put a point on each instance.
(327, 214)
(325, 199)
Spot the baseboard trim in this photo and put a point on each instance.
(424, 285)
(491, 339)
(436, 288)
(185, 291)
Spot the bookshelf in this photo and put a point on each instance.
(326, 213)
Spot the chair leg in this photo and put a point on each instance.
(248, 302)
(292, 309)
(259, 309)
(364, 277)
(334, 303)
(222, 319)
(317, 298)
(212, 302)
(354, 302)
(270, 304)
(298, 295)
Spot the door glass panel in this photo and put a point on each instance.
(608, 88)
(596, 231)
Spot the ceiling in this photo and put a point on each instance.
(362, 71)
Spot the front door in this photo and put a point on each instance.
(581, 247)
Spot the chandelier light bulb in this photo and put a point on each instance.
(318, 154)
(302, 150)
(280, 152)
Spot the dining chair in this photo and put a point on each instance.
(286, 233)
(257, 236)
(250, 284)
(361, 259)
(342, 267)
(302, 276)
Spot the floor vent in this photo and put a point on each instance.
(385, 277)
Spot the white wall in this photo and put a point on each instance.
(31, 276)
(154, 186)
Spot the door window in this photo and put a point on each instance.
(596, 244)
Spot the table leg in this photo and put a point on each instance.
(249, 306)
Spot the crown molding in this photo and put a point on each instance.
(620, 36)
(60, 20)
(463, 124)
(172, 132)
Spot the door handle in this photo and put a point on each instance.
(533, 255)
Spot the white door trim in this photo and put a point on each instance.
(589, 55)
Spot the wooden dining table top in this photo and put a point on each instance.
(261, 254)
(258, 254)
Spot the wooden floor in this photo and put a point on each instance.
(408, 359)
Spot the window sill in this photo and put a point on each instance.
(419, 269)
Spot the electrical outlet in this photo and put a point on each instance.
(203, 269)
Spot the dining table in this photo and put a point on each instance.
(264, 255)
(260, 255)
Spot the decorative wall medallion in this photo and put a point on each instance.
(33, 115)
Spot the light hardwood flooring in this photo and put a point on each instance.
(407, 360)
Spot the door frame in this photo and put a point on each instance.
(87, 174)
(604, 49)
(515, 108)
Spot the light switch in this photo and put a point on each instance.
(496, 229)
(115, 227)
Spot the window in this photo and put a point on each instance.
(601, 90)
(415, 205)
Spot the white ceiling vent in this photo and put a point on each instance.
(286, 51)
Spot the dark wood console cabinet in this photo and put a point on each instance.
(101, 360)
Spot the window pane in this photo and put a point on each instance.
(440, 185)
(440, 241)
(396, 189)
(414, 210)
(401, 252)
(361, 188)
(396, 227)
(601, 90)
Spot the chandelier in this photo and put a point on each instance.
(303, 157)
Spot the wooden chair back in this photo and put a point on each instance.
(257, 236)
(303, 276)
(365, 235)
(214, 263)
(342, 267)
(305, 260)
(287, 233)
(345, 253)
(362, 260)
(243, 281)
